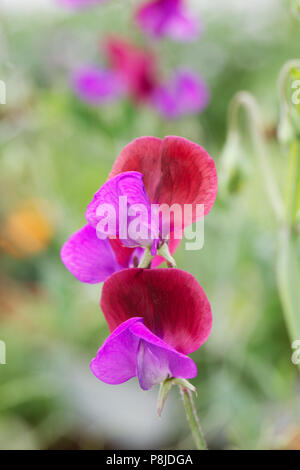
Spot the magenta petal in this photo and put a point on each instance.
(89, 259)
(160, 18)
(132, 350)
(96, 85)
(157, 360)
(116, 360)
(182, 27)
(115, 218)
(185, 94)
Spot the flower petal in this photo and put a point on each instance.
(89, 259)
(142, 155)
(172, 303)
(175, 170)
(116, 360)
(160, 18)
(135, 66)
(129, 218)
(133, 350)
(96, 85)
(185, 94)
(157, 360)
(188, 176)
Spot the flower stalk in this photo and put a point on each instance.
(186, 390)
(192, 417)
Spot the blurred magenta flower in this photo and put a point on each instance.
(159, 18)
(133, 71)
(80, 3)
(96, 85)
(148, 171)
(184, 94)
(136, 67)
(156, 317)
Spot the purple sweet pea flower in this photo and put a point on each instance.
(154, 345)
(147, 171)
(89, 253)
(160, 18)
(185, 94)
(96, 85)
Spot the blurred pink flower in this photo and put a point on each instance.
(133, 71)
(135, 66)
(186, 93)
(96, 85)
(159, 18)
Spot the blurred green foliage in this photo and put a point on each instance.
(55, 149)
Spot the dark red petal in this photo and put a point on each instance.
(136, 66)
(175, 170)
(188, 175)
(143, 155)
(171, 302)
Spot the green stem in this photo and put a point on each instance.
(146, 259)
(245, 100)
(288, 278)
(192, 418)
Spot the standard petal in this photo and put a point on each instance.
(172, 303)
(89, 259)
(175, 170)
(116, 360)
(188, 176)
(96, 85)
(142, 155)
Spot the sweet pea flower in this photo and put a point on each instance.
(136, 67)
(185, 93)
(132, 71)
(96, 85)
(156, 317)
(148, 171)
(169, 18)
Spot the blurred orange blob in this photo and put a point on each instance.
(27, 230)
(293, 442)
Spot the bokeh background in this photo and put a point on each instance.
(55, 152)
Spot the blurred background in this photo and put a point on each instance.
(55, 152)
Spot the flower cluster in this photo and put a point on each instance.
(156, 316)
(133, 72)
